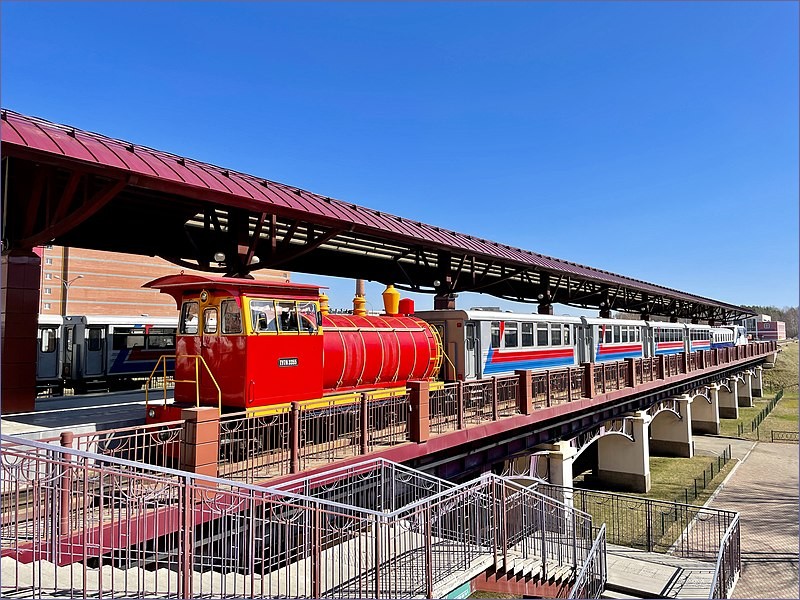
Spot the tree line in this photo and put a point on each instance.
(787, 314)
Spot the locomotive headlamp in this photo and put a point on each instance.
(203, 296)
(151, 413)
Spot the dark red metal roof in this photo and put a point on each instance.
(34, 138)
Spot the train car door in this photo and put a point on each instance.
(472, 351)
(73, 334)
(95, 351)
(47, 353)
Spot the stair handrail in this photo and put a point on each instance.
(196, 381)
(582, 583)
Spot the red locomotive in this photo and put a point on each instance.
(244, 344)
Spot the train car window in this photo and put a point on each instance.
(210, 320)
(231, 317)
(47, 343)
(189, 320)
(308, 316)
(95, 342)
(566, 334)
(287, 317)
(616, 334)
(161, 337)
(512, 335)
(262, 315)
(495, 326)
(624, 334)
(527, 335)
(541, 335)
(127, 337)
(555, 335)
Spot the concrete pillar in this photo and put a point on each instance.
(525, 396)
(670, 435)
(200, 440)
(19, 292)
(746, 390)
(623, 463)
(561, 456)
(705, 412)
(757, 383)
(729, 400)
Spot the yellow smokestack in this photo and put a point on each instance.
(391, 300)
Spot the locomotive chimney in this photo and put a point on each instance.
(323, 304)
(359, 302)
(391, 299)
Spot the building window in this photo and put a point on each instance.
(48, 247)
(48, 276)
(48, 261)
(48, 291)
(47, 306)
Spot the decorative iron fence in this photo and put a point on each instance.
(682, 530)
(96, 526)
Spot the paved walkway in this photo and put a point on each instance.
(79, 414)
(764, 491)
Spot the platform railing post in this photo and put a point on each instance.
(495, 402)
(294, 438)
(67, 438)
(525, 397)
(548, 387)
(364, 420)
(661, 366)
(460, 401)
(630, 380)
(685, 362)
(419, 404)
(588, 380)
(200, 440)
(569, 384)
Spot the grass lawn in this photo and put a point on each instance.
(784, 417)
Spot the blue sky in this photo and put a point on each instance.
(655, 140)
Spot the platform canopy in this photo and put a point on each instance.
(74, 188)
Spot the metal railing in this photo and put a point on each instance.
(591, 579)
(682, 530)
(169, 382)
(102, 526)
(253, 447)
(784, 436)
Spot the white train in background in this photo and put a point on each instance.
(89, 352)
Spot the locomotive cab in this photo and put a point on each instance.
(242, 344)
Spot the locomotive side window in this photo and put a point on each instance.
(262, 315)
(287, 319)
(48, 340)
(511, 335)
(527, 334)
(309, 317)
(495, 325)
(210, 320)
(231, 317)
(541, 335)
(189, 320)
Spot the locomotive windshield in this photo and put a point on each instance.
(284, 316)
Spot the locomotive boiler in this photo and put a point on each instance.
(247, 345)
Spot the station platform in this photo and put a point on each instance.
(79, 414)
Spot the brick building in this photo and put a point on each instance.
(108, 283)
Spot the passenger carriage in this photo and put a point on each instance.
(482, 343)
(609, 340)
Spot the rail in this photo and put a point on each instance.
(591, 579)
(682, 530)
(104, 526)
(198, 360)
